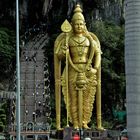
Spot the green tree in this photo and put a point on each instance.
(2, 116)
(7, 51)
(111, 37)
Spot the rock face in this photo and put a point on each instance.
(1, 86)
(112, 10)
(34, 12)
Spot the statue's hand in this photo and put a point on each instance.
(89, 68)
(91, 75)
(93, 70)
(64, 48)
(62, 52)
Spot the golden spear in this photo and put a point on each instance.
(66, 28)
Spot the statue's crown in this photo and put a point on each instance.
(78, 13)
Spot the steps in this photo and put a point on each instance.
(33, 102)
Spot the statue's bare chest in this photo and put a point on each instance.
(79, 48)
(79, 45)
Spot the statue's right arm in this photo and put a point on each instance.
(62, 53)
(60, 48)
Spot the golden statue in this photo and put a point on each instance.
(81, 77)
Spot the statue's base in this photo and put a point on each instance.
(68, 134)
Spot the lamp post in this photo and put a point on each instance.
(18, 74)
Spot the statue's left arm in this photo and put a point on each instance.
(97, 61)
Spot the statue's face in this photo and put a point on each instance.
(78, 26)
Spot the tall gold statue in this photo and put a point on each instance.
(81, 77)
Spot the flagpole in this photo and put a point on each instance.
(18, 74)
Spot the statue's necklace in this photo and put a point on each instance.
(80, 46)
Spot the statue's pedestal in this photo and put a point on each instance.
(69, 133)
(92, 134)
(95, 134)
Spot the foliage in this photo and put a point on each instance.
(111, 37)
(7, 49)
(2, 116)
